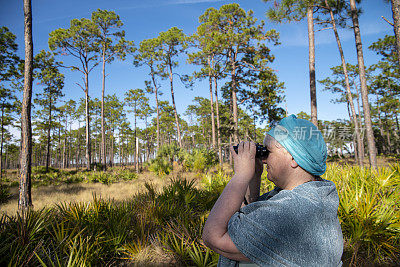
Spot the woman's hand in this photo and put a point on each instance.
(259, 167)
(245, 160)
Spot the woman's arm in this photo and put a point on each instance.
(215, 232)
(253, 190)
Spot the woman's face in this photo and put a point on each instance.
(278, 162)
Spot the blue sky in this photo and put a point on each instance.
(146, 19)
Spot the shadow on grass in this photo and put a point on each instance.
(66, 189)
(51, 189)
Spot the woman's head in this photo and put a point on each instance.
(302, 140)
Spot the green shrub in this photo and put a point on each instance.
(199, 160)
(127, 175)
(42, 170)
(97, 166)
(215, 182)
(163, 163)
(368, 212)
(101, 177)
(160, 166)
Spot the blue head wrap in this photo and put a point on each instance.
(303, 141)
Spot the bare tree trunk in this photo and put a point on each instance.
(173, 104)
(147, 154)
(380, 124)
(64, 160)
(87, 108)
(364, 89)
(396, 25)
(158, 109)
(360, 122)
(103, 156)
(48, 139)
(234, 98)
(2, 141)
(211, 103)
(230, 155)
(311, 64)
(121, 152)
(25, 199)
(6, 163)
(218, 123)
(349, 96)
(356, 159)
(137, 154)
(59, 144)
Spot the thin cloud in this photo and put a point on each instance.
(297, 35)
(178, 2)
(167, 3)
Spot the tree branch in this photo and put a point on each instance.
(387, 21)
(81, 86)
(327, 28)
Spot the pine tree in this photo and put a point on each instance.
(80, 42)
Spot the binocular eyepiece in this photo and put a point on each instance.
(261, 151)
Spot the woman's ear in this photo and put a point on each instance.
(293, 163)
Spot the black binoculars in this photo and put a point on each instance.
(261, 151)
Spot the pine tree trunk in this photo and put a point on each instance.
(77, 155)
(25, 199)
(173, 104)
(59, 144)
(48, 139)
(136, 144)
(2, 141)
(158, 109)
(311, 65)
(384, 147)
(121, 152)
(218, 123)
(87, 108)
(137, 154)
(147, 154)
(349, 95)
(103, 133)
(230, 154)
(360, 122)
(396, 25)
(6, 163)
(64, 160)
(211, 103)
(364, 89)
(112, 149)
(234, 98)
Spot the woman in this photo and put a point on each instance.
(295, 224)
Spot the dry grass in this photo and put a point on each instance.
(48, 196)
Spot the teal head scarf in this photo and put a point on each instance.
(303, 141)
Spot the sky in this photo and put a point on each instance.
(145, 19)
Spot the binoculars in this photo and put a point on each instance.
(261, 151)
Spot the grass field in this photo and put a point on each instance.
(47, 196)
(120, 218)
